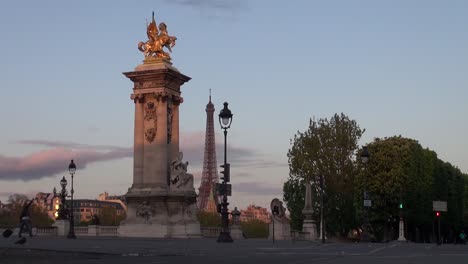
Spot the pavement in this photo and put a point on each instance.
(204, 250)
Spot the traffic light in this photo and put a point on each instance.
(401, 205)
(438, 214)
(226, 172)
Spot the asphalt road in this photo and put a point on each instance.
(120, 250)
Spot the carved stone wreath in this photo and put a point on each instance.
(150, 134)
(150, 111)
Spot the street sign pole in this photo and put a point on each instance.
(439, 240)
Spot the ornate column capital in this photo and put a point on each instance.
(140, 98)
(162, 96)
(177, 100)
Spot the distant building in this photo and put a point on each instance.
(48, 202)
(255, 212)
(113, 198)
(85, 209)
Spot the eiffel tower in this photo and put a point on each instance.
(210, 170)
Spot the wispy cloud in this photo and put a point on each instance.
(49, 162)
(55, 157)
(258, 188)
(72, 145)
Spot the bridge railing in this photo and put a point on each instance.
(210, 231)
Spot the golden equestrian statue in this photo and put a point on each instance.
(157, 40)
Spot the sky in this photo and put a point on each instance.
(396, 67)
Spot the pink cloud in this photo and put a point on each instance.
(57, 156)
(49, 162)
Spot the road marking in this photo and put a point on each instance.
(453, 254)
(376, 250)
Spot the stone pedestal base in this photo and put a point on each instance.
(310, 227)
(161, 214)
(401, 233)
(236, 233)
(282, 230)
(63, 227)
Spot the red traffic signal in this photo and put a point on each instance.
(437, 214)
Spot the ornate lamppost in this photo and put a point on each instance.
(365, 237)
(225, 120)
(71, 233)
(62, 211)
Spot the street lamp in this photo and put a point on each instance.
(62, 211)
(225, 120)
(365, 237)
(72, 170)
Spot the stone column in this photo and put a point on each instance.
(401, 232)
(175, 131)
(309, 225)
(151, 149)
(138, 146)
(161, 158)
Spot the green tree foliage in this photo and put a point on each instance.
(293, 194)
(326, 148)
(108, 217)
(401, 170)
(208, 219)
(10, 216)
(255, 229)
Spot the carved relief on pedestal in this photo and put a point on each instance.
(149, 84)
(191, 212)
(151, 118)
(144, 210)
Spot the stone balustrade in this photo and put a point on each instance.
(210, 231)
(93, 230)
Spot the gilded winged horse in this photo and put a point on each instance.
(158, 38)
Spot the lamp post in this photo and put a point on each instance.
(365, 237)
(225, 120)
(322, 220)
(62, 212)
(71, 233)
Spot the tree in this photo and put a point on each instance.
(400, 170)
(326, 148)
(208, 219)
(10, 216)
(108, 216)
(255, 229)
